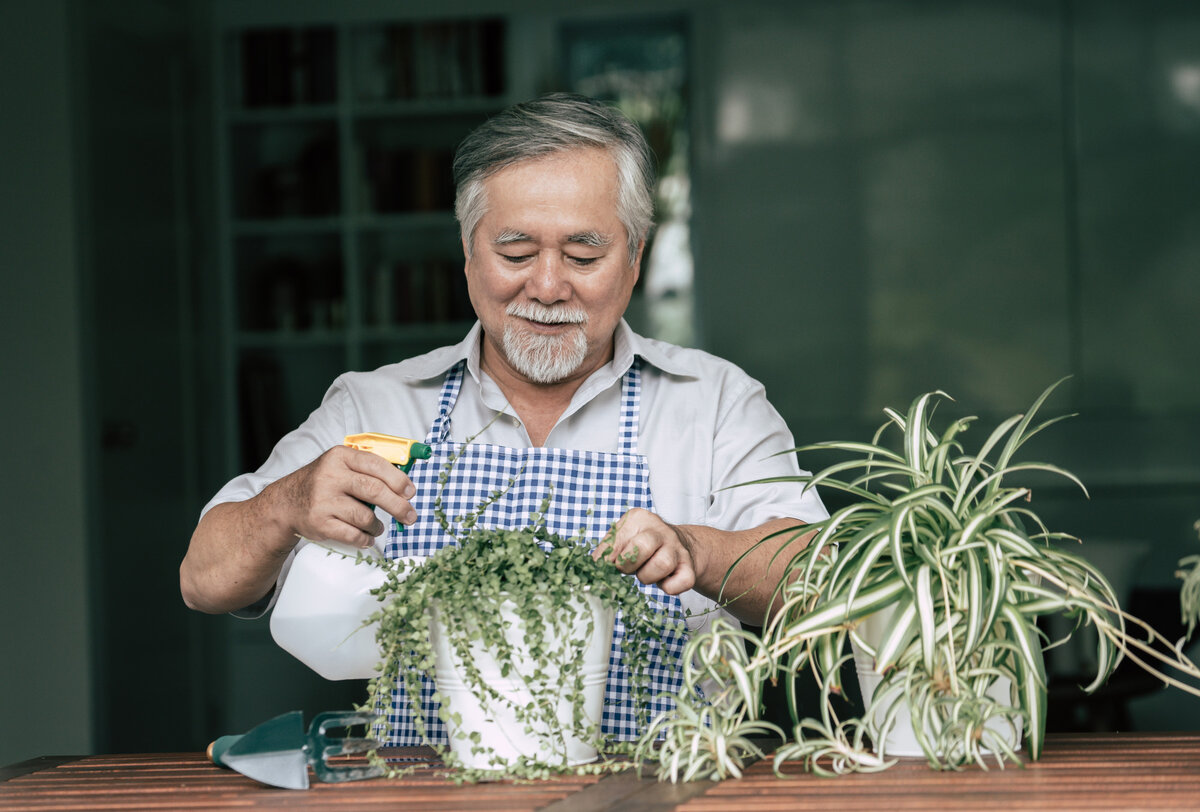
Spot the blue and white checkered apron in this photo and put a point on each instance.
(591, 490)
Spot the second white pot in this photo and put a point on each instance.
(900, 739)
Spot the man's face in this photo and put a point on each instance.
(550, 275)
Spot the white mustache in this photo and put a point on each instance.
(544, 314)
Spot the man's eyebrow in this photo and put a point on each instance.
(511, 235)
(593, 239)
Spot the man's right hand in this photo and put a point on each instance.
(238, 548)
(330, 498)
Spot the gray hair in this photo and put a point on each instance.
(550, 124)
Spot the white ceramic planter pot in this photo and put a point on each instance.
(496, 722)
(900, 739)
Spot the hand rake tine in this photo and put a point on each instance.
(321, 746)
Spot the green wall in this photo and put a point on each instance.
(45, 667)
(974, 196)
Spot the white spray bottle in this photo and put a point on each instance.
(321, 612)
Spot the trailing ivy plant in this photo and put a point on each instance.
(941, 539)
(541, 576)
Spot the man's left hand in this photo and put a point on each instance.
(657, 552)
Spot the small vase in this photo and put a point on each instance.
(900, 740)
(503, 738)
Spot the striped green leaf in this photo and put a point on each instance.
(926, 615)
(1031, 682)
(899, 633)
(839, 612)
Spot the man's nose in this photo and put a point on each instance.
(548, 280)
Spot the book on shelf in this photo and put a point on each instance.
(432, 290)
(407, 179)
(286, 66)
(436, 59)
(289, 293)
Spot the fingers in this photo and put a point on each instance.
(330, 515)
(377, 482)
(354, 521)
(368, 490)
(373, 481)
(332, 497)
(646, 546)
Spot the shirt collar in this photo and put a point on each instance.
(435, 364)
(667, 357)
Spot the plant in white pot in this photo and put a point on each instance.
(514, 628)
(934, 576)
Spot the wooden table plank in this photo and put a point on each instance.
(33, 765)
(1098, 771)
(189, 781)
(1076, 772)
(629, 793)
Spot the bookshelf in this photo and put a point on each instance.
(339, 248)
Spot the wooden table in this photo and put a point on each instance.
(1077, 771)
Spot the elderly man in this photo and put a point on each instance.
(554, 201)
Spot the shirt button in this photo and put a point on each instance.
(516, 422)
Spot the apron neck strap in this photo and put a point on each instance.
(440, 429)
(631, 402)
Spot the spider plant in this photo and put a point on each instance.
(940, 551)
(1189, 592)
(714, 738)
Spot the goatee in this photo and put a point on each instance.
(543, 358)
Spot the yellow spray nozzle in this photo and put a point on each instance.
(399, 451)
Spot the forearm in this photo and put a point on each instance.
(235, 554)
(239, 548)
(745, 587)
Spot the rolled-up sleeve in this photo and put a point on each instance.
(753, 443)
(712, 437)
(324, 428)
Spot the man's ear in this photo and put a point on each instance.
(637, 261)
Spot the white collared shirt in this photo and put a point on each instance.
(705, 425)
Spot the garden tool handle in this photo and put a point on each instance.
(217, 749)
